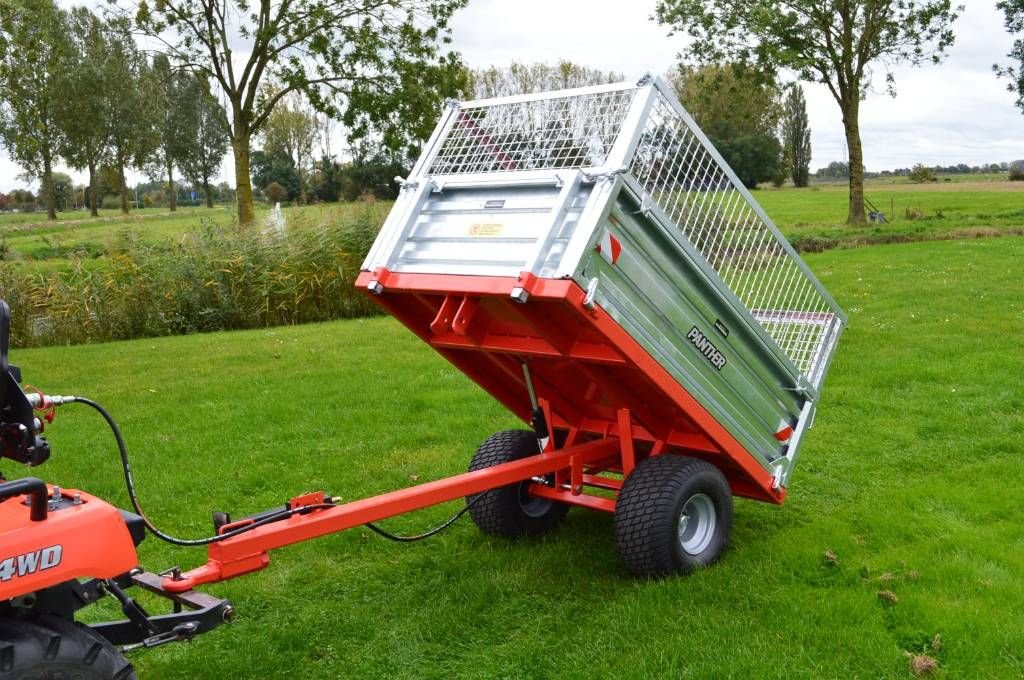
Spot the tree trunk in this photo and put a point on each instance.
(124, 187)
(172, 192)
(208, 191)
(47, 187)
(851, 115)
(240, 145)
(93, 199)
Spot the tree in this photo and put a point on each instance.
(22, 199)
(33, 55)
(518, 78)
(275, 168)
(133, 97)
(376, 61)
(290, 131)
(739, 111)
(372, 171)
(210, 144)
(63, 188)
(920, 174)
(84, 108)
(177, 118)
(796, 136)
(1013, 10)
(836, 170)
(325, 180)
(834, 42)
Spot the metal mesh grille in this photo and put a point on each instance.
(545, 134)
(688, 184)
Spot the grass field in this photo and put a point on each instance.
(29, 236)
(911, 477)
(813, 218)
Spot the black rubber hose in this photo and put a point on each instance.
(426, 534)
(133, 497)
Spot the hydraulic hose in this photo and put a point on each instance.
(274, 517)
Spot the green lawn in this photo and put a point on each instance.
(911, 477)
(29, 236)
(813, 217)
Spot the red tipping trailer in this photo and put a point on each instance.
(590, 260)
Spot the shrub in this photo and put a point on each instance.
(920, 174)
(110, 202)
(213, 279)
(275, 193)
(1017, 173)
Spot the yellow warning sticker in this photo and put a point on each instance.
(485, 229)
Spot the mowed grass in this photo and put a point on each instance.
(814, 217)
(911, 477)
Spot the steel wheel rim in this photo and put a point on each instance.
(532, 506)
(697, 523)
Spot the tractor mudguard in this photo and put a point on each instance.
(81, 537)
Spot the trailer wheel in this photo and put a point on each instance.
(51, 648)
(673, 515)
(511, 510)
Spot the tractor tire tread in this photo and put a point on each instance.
(53, 648)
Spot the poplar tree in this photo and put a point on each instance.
(34, 51)
(176, 118)
(209, 144)
(796, 136)
(133, 98)
(84, 107)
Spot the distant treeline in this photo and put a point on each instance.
(840, 170)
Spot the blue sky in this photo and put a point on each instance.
(952, 113)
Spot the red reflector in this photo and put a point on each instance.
(784, 433)
(616, 248)
(610, 248)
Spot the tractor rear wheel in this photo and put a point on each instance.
(673, 515)
(511, 510)
(51, 648)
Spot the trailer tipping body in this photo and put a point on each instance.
(597, 236)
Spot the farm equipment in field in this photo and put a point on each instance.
(586, 257)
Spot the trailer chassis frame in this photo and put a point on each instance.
(562, 474)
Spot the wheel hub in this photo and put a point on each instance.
(697, 521)
(532, 506)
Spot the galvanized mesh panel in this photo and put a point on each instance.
(675, 167)
(564, 132)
